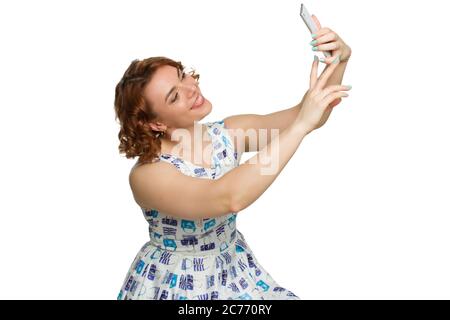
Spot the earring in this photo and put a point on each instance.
(160, 133)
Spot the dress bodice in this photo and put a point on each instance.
(209, 235)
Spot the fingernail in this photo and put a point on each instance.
(322, 60)
(313, 35)
(349, 87)
(316, 58)
(336, 60)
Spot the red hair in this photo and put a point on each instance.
(134, 113)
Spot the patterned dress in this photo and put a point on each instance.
(204, 259)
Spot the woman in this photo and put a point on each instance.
(195, 250)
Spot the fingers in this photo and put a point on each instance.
(334, 103)
(327, 60)
(331, 97)
(320, 32)
(333, 88)
(331, 46)
(313, 75)
(326, 42)
(329, 69)
(316, 21)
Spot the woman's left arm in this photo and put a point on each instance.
(326, 39)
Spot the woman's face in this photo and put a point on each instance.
(173, 94)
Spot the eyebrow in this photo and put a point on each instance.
(173, 88)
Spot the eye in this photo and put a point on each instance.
(176, 94)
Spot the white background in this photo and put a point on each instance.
(360, 212)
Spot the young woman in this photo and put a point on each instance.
(195, 250)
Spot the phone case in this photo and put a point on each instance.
(311, 25)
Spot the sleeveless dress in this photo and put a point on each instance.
(204, 259)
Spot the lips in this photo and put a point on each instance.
(198, 102)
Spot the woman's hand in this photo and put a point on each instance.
(316, 101)
(328, 40)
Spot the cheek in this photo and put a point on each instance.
(176, 110)
(183, 105)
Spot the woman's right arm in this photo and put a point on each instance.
(162, 187)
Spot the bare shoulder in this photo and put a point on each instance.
(241, 121)
(150, 170)
(239, 124)
(144, 177)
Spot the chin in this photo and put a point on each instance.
(204, 110)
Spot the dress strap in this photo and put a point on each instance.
(224, 150)
(224, 156)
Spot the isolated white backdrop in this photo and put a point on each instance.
(360, 212)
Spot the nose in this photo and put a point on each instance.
(191, 89)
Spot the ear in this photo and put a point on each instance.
(157, 126)
(316, 21)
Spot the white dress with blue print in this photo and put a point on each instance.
(204, 259)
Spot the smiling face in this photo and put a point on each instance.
(175, 96)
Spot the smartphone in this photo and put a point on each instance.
(311, 25)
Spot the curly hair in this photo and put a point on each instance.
(134, 113)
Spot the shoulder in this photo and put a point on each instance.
(242, 121)
(241, 127)
(152, 170)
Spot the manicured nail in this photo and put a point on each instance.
(316, 58)
(313, 42)
(313, 35)
(336, 60)
(314, 49)
(322, 60)
(349, 87)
